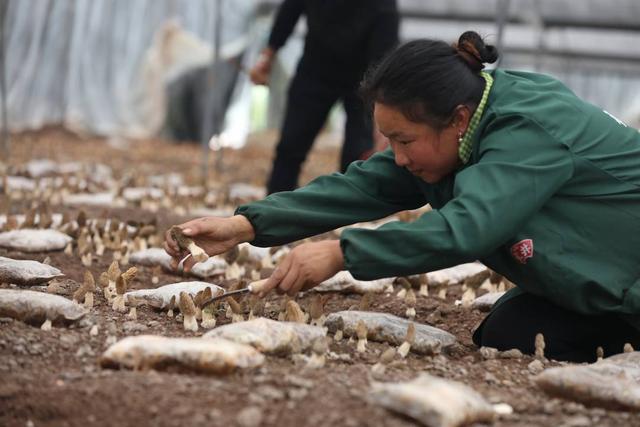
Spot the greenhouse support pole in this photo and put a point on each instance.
(211, 130)
(3, 80)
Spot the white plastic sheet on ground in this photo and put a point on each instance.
(34, 240)
(434, 401)
(212, 356)
(26, 272)
(270, 336)
(161, 297)
(36, 307)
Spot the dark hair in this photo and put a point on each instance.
(427, 79)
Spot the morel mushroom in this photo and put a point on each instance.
(424, 285)
(103, 281)
(11, 224)
(44, 220)
(282, 313)
(187, 244)
(339, 330)
(405, 284)
(316, 310)
(208, 316)
(539, 346)
(90, 287)
(130, 274)
(78, 295)
(294, 313)
(188, 310)
(257, 306)
(29, 219)
(234, 271)
(118, 301)
(410, 300)
(81, 219)
(495, 279)
(365, 302)
(97, 240)
(113, 272)
(628, 348)
(237, 315)
(318, 351)
(441, 289)
(361, 331)
(68, 250)
(199, 299)
(385, 358)
(471, 285)
(409, 339)
(171, 306)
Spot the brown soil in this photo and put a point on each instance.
(52, 378)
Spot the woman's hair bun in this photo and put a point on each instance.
(474, 51)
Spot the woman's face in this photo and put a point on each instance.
(424, 151)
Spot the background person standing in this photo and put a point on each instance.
(343, 38)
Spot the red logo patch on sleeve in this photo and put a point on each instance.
(522, 251)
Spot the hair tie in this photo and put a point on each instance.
(469, 54)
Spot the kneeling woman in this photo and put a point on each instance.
(522, 175)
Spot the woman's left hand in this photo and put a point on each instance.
(306, 266)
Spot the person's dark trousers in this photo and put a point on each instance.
(308, 105)
(568, 335)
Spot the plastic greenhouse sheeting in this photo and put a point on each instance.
(104, 66)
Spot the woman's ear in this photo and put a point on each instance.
(461, 117)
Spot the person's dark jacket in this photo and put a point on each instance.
(343, 36)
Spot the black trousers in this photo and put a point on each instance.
(308, 104)
(568, 335)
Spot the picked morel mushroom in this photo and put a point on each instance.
(188, 310)
(405, 347)
(187, 244)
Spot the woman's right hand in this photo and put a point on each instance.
(213, 234)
